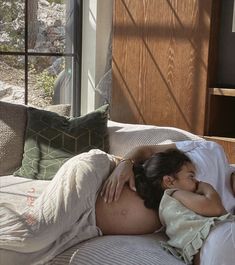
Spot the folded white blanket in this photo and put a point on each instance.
(63, 215)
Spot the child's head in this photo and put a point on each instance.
(169, 169)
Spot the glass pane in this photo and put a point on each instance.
(50, 26)
(49, 81)
(12, 79)
(12, 27)
(69, 28)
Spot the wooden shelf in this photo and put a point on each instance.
(220, 138)
(230, 92)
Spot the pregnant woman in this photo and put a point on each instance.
(81, 202)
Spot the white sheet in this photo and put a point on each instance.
(219, 247)
(211, 166)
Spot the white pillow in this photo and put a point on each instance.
(123, 136)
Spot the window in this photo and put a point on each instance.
(40, 52)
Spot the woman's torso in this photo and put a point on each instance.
(126, 216)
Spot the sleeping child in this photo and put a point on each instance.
(189, 209)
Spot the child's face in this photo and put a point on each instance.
(185, 178)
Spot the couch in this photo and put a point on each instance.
(112, 249)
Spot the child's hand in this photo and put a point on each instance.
(203, 188)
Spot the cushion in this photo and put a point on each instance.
(12, 128)
(139, 134)
(119, 250)
(52, 139)
(13, 119)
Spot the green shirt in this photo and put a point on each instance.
(186, 229)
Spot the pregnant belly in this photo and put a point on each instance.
(127, 216)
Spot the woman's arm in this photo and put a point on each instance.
(206, 201)
(123, 173)
(143, 152)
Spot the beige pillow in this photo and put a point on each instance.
(13, 119)
(123, 137)
(12, 128)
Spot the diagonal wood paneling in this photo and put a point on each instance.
(160, 61)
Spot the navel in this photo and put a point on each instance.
(124, 212)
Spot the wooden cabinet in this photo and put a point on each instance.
(165, 66)
(221, 81)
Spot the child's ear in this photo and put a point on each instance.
(167, 182)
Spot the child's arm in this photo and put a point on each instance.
(206, 201)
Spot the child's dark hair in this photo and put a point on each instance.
(149, 175)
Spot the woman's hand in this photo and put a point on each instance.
(123, 173)
(113, 186)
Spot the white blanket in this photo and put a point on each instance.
(62, 216)
(211, 166)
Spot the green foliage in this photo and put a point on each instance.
(56, 1)
(12, 17)
(9, 10)
(46, 81)
(11, 60)
(4, 48)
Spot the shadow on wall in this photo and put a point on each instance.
(154, 54)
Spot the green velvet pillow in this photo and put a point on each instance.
(52, 139)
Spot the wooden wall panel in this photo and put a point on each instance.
(160, 60)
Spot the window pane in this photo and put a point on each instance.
(50, 26)
(12, 79)
(12, 25)
(49, 80)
